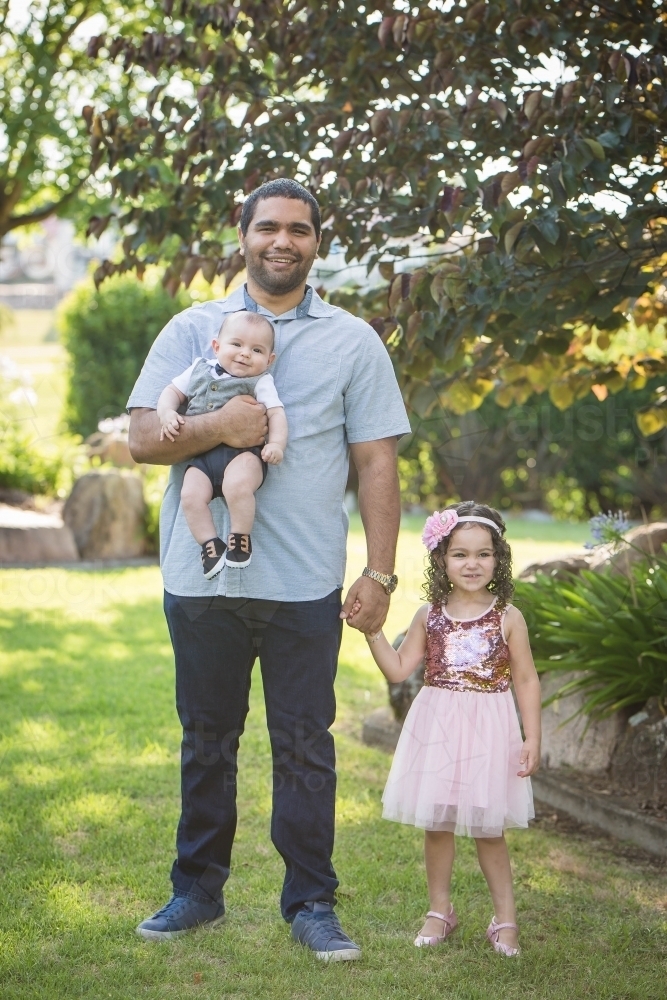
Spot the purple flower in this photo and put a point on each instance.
(608, 529)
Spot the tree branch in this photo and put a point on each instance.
(14, 222)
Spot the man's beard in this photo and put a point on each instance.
(277, 283)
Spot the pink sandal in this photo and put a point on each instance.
(498, 946)
(450, 923)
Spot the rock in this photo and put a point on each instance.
(106, 513)
(112, 447)
(645, 540)
(639, 763)
(402, 695)
(570, 743)
(567, 565)
(27, 536)
(17, 498)
(381, 729)
(109, 443)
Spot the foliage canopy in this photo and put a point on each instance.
(513, 150)
(46, 79)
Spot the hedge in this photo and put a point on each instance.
(107, 334)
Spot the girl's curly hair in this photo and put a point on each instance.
(438, 584)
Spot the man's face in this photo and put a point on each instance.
(280, 245)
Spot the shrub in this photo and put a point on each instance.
(22, 466)
(609, 629)
(155, 480)
(107, 334)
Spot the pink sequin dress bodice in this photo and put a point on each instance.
(470, 654)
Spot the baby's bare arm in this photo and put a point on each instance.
(274, 450)
(167, 406)
(277, 426)
(170, 399)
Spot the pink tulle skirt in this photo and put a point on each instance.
(456, 764)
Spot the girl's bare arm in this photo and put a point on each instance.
(397, 664)
(527, 689)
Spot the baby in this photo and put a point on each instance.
(244, 352)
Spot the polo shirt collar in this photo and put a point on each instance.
(310, 305)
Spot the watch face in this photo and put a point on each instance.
(393, 584)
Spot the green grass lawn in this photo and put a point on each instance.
(89, 746)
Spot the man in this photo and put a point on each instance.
(340, 394)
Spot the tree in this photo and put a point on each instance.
(517, 144)
(46, 76)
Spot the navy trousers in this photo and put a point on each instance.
(216, 641)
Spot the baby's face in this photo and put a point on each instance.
(244, 348)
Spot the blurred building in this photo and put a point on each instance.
(38, 269)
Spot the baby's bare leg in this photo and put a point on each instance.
(242, 477)
(196, 495)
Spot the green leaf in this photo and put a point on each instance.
(596, 148)
(549, 229)
(609, 139)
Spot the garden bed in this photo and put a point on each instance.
(574, 793)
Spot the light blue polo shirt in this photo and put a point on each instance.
(338, 386)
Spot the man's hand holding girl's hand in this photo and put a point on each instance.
(530, 758)
(171, 422)
(366, 605)
(272, 454)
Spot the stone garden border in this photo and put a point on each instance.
(563, 792)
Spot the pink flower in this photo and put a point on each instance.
(438, 526)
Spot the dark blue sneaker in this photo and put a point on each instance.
(179, 916)
(317, 927)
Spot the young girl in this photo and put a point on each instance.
(460, 765)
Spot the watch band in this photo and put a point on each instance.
(386, 580)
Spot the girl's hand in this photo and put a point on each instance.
(530, 758)
(272, 454)
(171, 424)
(356, 608)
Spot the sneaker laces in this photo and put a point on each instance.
(172, 906)
(329, 922)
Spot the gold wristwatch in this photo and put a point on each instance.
(384, 579)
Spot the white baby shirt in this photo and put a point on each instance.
(265, 389)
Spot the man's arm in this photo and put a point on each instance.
(380, 509)
(240, 423)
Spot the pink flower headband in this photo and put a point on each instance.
(441, 524)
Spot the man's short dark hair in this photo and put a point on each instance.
(282, 187)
